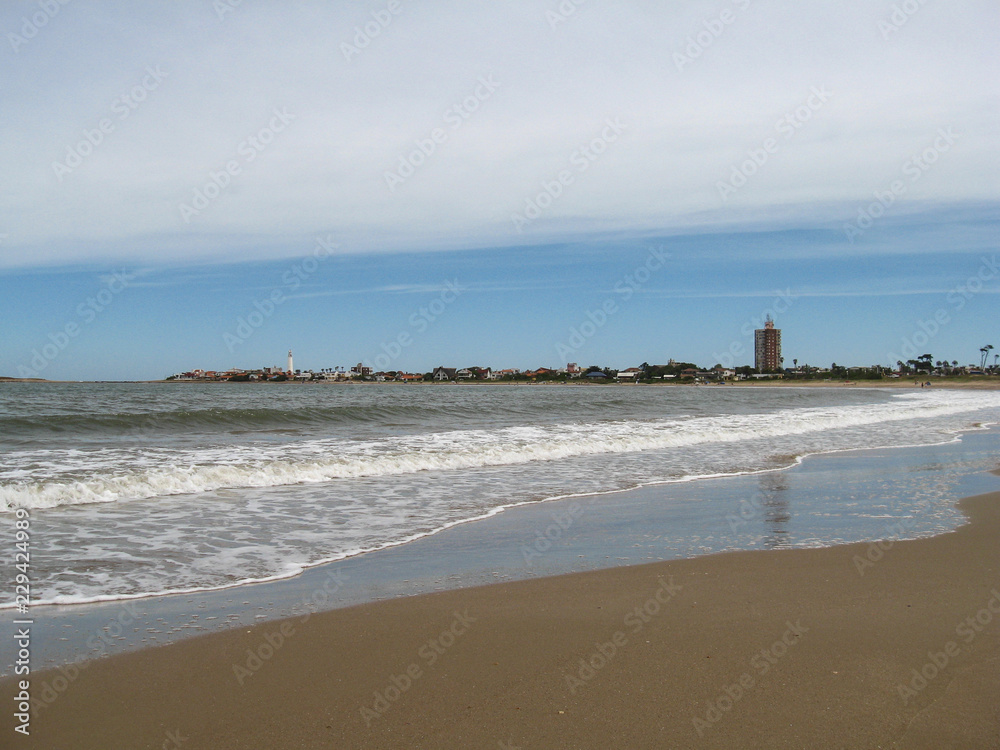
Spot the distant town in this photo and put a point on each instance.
(679, 372)
(768, 365)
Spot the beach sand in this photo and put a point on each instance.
(770, 649)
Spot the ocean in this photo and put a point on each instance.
(141, 489)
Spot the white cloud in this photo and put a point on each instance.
(353, 121)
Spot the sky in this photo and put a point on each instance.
(207, 184)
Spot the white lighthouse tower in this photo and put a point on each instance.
(291, 370)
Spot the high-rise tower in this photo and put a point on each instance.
(767, 347)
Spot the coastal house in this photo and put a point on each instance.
(629, 375)
(474, 373)
(444, 373)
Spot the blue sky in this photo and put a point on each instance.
(688, 170)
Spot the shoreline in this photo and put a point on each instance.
(905, 382)
(493, 513)
(626, 527)
(820, 647)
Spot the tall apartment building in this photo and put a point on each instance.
(767, 347)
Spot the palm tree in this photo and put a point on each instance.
(986, 353)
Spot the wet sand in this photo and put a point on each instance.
(854, 646)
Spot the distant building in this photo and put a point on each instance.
(767, 347)
(444, 373)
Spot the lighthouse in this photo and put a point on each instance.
(291, 370)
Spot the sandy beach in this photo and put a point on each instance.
(862, 645)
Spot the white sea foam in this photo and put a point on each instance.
(168, 516)
(121, 474)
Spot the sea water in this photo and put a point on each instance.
(139, 489)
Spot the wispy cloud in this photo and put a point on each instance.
(353, 121)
